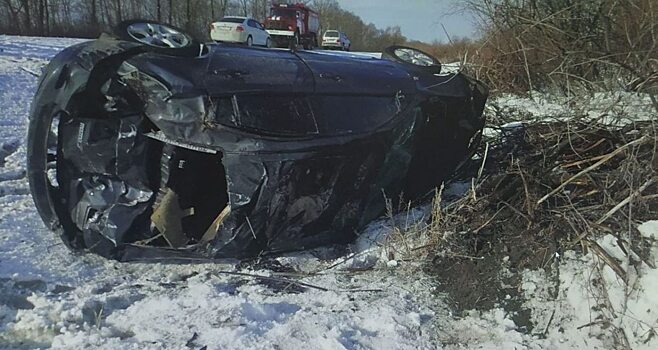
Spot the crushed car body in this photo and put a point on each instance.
(140, 151)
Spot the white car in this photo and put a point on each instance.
(243, 30)
(333, 39)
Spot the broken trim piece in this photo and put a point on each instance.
(160, 136)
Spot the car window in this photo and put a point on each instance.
(331, 34)
(273, 115)
(300, 116)
(283, 13)
(252, 23)
(232, 20)
(337, 115)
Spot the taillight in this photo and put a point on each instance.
(289, 27)
(211, 26)
(239, 29)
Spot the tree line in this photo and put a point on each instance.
(88, 18)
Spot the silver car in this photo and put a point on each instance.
(243, 30)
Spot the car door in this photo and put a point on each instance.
(263, 33)
(255, 32)
(251, 29)
(238, 70)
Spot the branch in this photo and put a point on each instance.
(592, 167)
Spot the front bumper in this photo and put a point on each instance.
(275, 32)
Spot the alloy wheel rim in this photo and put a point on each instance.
(158, 35)
(415, 57)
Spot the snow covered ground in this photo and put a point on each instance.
(356, 297)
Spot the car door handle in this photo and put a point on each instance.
(230, 73)
(331, 76)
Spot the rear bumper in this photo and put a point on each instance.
(232, 37)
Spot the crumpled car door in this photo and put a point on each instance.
(249, 70)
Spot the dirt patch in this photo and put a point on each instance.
(489, 277)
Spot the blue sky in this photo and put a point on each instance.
(418, 19)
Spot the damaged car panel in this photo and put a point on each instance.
(235, 152)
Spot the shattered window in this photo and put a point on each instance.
(278, 115)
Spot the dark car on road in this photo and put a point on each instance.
(148, 144)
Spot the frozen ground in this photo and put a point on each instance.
(354, 297)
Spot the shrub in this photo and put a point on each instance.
(534, 44)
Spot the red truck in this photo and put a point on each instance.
(293, 24)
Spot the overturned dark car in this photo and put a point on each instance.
(146, 144)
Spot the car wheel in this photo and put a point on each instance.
(159, 37)
(250, 41)
(268, 43)
(42, 168)
(413, 58)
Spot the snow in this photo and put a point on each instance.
(609, 107)
(368, 295)
(649, 229)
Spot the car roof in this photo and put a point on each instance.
(236, 17)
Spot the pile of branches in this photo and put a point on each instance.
(548, 186)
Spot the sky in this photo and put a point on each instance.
(418, 19)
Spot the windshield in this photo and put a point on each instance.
(283, 12)
(331, 34)
(232, 20)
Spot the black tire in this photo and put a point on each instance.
(178, 43)
(40, 139)
(39, 132)
(250, 41)
(425, 64)
(268, 43)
